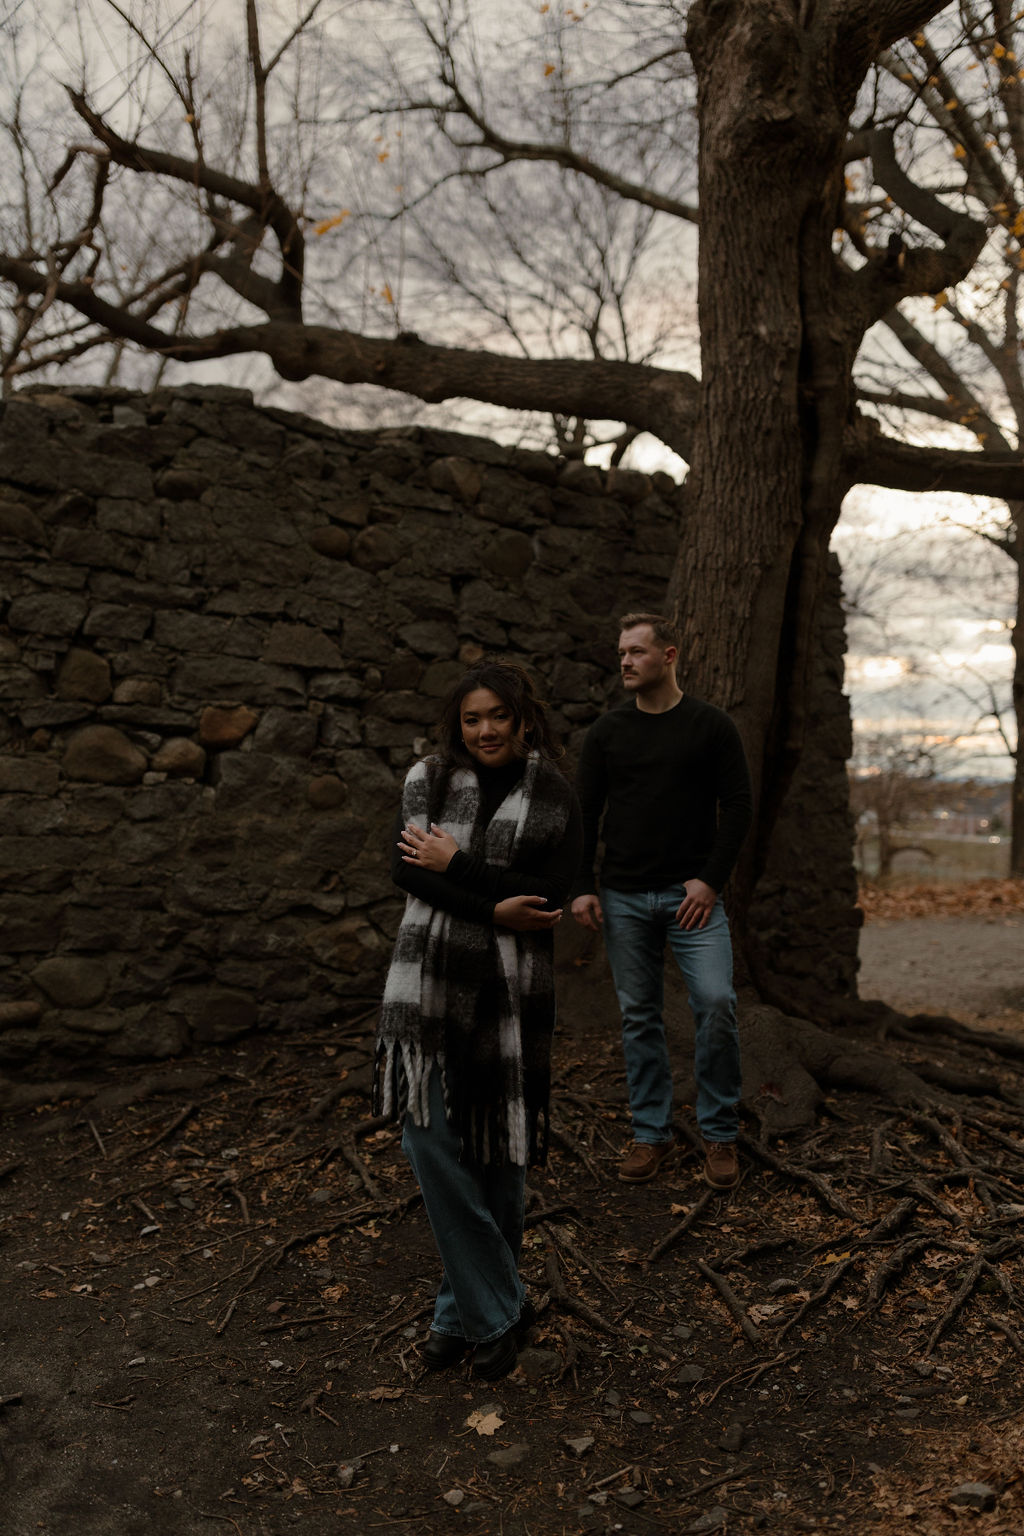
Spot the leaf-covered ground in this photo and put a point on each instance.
(954, 898)
(215, 1274)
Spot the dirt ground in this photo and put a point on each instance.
(215, 1274)
(923, 952)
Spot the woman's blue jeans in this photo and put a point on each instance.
(476, 1216)
(636, 927)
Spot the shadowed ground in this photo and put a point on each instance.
(215, 1273)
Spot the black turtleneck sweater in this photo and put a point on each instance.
(470, 888)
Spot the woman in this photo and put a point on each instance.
(487, 844)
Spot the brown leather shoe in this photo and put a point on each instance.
(721, 1165)
(643, 1160)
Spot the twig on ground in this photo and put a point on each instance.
(732, 1302)
(693, 1215)
(733, 1476)
(565, 1242)
(820, 1294)
(569, 1303)
(574, 1149)
(154, 1141)
(750, 1375)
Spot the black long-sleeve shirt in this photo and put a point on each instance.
(470, 888)
(675, 791)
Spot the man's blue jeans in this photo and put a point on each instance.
(476, 1216)
(636, 927)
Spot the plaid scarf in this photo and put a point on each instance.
(476, 1001)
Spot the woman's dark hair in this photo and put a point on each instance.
(515, 689)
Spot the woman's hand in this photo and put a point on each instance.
(522, 913)
(432, 850)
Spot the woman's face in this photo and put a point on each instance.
(488, 729)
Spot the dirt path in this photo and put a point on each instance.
(970, 967)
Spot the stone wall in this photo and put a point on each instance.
(224, 634)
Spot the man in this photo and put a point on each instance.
(670, 774)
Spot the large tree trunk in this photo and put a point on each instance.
(767, 482)
(803, 923)
(780, 325)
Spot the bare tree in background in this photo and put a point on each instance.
(958, 359)
(892, 786)
(930, 618)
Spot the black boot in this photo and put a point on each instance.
(442, 1350)
(496, 1359)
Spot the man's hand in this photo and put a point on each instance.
(523, 915)
(695, 908)
(587, 912)
(432, 850)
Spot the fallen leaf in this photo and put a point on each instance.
(483, 1422)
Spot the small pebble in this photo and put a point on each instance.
(539, 1364)
(688, 1375)
(713, 1520)
(511, 1456)
(974, 1496)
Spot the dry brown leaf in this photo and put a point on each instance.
(483, 1422)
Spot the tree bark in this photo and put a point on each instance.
(780, 324)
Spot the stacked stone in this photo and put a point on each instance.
(225, 633)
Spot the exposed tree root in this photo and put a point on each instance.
(821, 1186)
(736, 1310)
(932, 1025)
(820, 1295)
(892, 1211)
(561, 1295)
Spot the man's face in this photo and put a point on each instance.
(644, 663)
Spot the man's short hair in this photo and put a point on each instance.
(665, 632)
